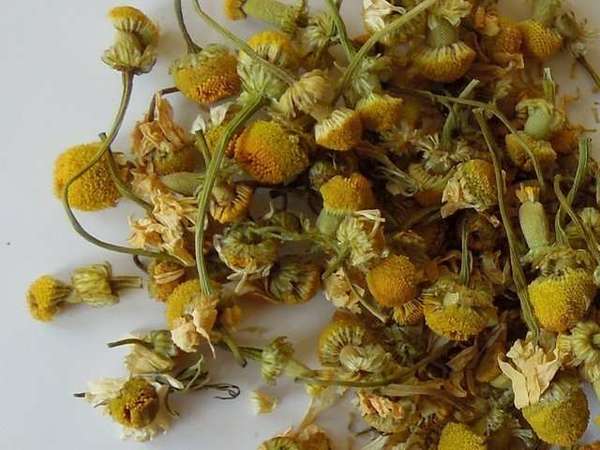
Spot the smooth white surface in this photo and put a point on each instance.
(57, 93)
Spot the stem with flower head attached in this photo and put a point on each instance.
(127, 78)
(517, 270)
(250, 108)
(341, 29)
(280, 73)
(374, 39)
(192, 47)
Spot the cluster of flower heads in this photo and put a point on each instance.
(425, 175)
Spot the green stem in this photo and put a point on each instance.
(341, 29)
(580, 174)
(234, 348)
(120, 184)
(591, 241)
(517, 270)
(374, 39)
(127, 78)
(490, 109)
(251, 107)
(130, 341)
(280, 73)
(452, 120)
(465, 265)
(192, 47)
(582, 60)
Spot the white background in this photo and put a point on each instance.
(57, 93)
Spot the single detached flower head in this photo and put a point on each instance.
(344, 330)
(286, 17)
(458, 436)
(345, 195)
(341, 130)
(393, 282)
(541, 39)
(275, 47)
(95, 189)
(472, 186)
(244, 250)
(95, 284)
(275, 359)
(293, 282)
(230, 202)
(380, 112)
(270, 153)
(44, 297)
(311, 93)
(134, 49)
(208, 76)
(262, 402)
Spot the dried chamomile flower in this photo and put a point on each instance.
(208, 76)
(483, 234)
(472, 186)
(230, 202)
(95, 284)
(281, 443)
(343, 196)
(163, 277)
(270, 153)
(342, 291)
(360, 237)
(458, 436)
(410, 313)
(134, 49)
(310, 94)
(293, 282)
(456, 311)
(341, 130)
(138, 405)
(315, 39)
(377, 14)
(275, 359)
(191, 316)
(541, 39)
(143, 361)
(345, 330)
(262, 402)
(371, 358)
(321, 172)
(430, 185)
(95, 189)
(45, 296)
(562, 414)
(274, 46)
(582, 346)
(543, 118)
(393, 282)
(531, 370)
(386, 415)
(368, 77)
(286, 17)
(380, 112)
(505, 47)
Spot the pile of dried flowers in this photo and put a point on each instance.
(425, 175)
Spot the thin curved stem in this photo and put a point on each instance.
(491, 109)
(515, 261)
(160, 93)
(341, 29)
(466, 262)
(280, 73)
(582, 60)
(129, 341)
(210, 177)
(192, 47)
(374, 39)
(127, 78)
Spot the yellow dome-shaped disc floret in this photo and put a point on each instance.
(562, 414)
(132, 20)
(540, 41)
(94, 190)
(561, 301)
(186, 159)
(137, 404)
(208, 76)
(270, 153)
(342, 130)
(393, 282)
(456, 311)
(183, 298)
(542, 150)
(458, 436)
(274, 46)
(380, 112)
(445, 64)
(473, 185)
(44, 297)
(231, 203)
(344, 195)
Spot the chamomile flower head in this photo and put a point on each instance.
(344, 330)
(473, 185)
(456, 311)
(543, 118)
(393, 282)
(410, 313)
(458, 436)
(95, 284)
(506, 45)
(45, 296)
(561, 301)
(163, 277)
(137, 404)
(181, 299)
(184, 160)
(241, 249)
(270, 153)
(285, 17)
(311, 92)
(562, 414)
(233, 9)
(385, 414)
(445, 64)
(345, 195)
(134, 49)
(208, 76)
(95, 189)
(293, 283)
(380, 112)
(281, 443)
(377, 14)
(321, 172)
(230, 202)
(542, 150)
(274, 46)
(361, 235)
(341, 130)
(275, 358)
(540, 41)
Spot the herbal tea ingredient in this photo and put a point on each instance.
(426, 175)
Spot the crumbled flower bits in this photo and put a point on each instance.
(427, 179)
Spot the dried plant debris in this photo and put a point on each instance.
(427, 178)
